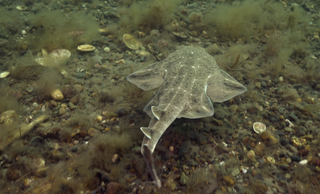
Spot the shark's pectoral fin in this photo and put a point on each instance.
(197, 107)
(157, 112)
(147, 131)
(222, 87)
(149, 77)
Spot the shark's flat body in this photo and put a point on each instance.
(187, 79)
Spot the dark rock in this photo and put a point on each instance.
(113, 188)
(284, 141)
(121, 111)
(293, 117)
(303, 152)
(295, 158)
(36, 141)
(280, 133)
(74, 149)
(192, 162)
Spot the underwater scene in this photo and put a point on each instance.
(159, 96)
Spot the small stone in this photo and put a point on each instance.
(62, 111)
(92, 131)
(251, 155)
(288, 129)
(121, 111)
(271, 160)
(74, 99)
(171, 148)
(115, 158)
(288, 160)
(183, 178)
(229, 180)
(74, 149)
(99, 118)
(53, 103)
(288, 176)
(233, 108)
(57, 95)
(235, 171)
(281, 79)
(72, 106)
(295, 158)
(303, 152)
(113, 188)
(258, 85)
(106, 49)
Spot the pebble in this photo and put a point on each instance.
(62, 111)
(235, 171)
(115, 158)
(72, 106)
(288, 160)
(229, 180)
(57, 95)
(281, 79)
(251, 155)
(303, 152)
(106, 49)
(288, 129)
(288, 176)
(74, 149)
(91, 132)
(258, 85)
(295, 158)
(183, 178)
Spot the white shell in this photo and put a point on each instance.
(86, 48)
(4, 74)
(303, 162)
(259, 127)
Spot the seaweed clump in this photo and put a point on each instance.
(149, 15)
(53, 30)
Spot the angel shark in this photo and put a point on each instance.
(189, 80)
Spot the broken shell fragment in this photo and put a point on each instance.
(60, 53)
(180, 34)
(57, 95)
(54, 58)
(130, 42)
(143, 53)
(7, 116)
(4, 74)
(259, 127)
(21, 7)
(86, 48)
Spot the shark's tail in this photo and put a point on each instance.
(146, 152)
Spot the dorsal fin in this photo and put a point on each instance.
(157, 112)
(147, 131)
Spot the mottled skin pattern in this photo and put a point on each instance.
(188, 79)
